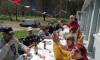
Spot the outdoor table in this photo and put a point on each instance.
(48, 52)
(64, 32)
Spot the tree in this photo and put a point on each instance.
(52, 7)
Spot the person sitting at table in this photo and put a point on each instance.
(48, 24)
(78, 53)
(70, 42)
(58, 26)
(52, 28)
(71, 39)
(30, 37)
(9, 45)
(73, 32)
(80, 38)
(73, 23)
(44, 33)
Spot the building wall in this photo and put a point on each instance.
(90, 19)
(93, 25)
(97, 38)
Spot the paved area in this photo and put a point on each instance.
(15, 26)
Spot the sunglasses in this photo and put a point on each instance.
(67, 39)
(76, 50)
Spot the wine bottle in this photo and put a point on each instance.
(36, 48)
(44, 44)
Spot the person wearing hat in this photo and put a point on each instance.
(44, 33)
(30, 37)
(9, 45)
(30, 31)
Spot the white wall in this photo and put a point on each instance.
(93, 24)
(90, 20)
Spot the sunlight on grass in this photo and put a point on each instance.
(22, 33)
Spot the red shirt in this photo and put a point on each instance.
(73, 24)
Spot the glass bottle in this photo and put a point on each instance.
(44, 44)
(35, 48)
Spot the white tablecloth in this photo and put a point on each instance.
(48, 52)
(45, 52)
(64, 32)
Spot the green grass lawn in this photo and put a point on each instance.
(40, 18)
(20, 34)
